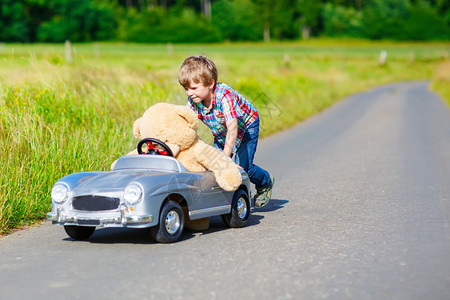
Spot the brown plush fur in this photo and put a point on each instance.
(176, 125)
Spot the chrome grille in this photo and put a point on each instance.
(95, 203)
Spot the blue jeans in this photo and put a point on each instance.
(246, 153)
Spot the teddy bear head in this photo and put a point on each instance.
(170, 123)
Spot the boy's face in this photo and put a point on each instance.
(199, 92)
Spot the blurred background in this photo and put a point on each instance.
(191, 21)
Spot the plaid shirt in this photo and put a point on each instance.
(227, 104)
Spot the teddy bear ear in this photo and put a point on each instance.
(137, 129)
(187, 114)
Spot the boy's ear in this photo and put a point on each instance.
(212, 84)
(187, 114)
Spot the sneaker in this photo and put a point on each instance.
(264, 194)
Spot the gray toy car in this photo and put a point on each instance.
(145, 191)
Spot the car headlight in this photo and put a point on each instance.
(133, 193)
(60, 193)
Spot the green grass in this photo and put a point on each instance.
(57, 118)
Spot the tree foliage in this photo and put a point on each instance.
(13, 24)
(237, 21)
(161, 21)
(342, 21)
(77, 20)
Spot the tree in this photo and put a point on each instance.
(237, 20)
(77, 20)
(283, 20)
(158, 25)
(13, 24)
(341, 21)
(207, 20)
(277, 18)
(424, 23)
(309, 14)
(383, 18)
(265, 12)
(206, 9)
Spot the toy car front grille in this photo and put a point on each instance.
(95, 203)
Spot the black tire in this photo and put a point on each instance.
(240, 210)
(79, 232)
(171, 224)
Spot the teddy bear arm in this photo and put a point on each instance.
(212, 158)
(226, 172)
(174, 148)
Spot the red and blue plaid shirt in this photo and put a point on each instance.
(227, 104)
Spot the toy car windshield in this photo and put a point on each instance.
(152, 162)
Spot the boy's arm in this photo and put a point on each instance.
(230, 140)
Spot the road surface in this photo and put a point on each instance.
(361, 210)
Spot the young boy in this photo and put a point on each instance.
(233, 120)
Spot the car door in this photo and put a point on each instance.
(212, 200)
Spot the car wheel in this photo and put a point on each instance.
(79, 232)
(171, 224)
(240, 210)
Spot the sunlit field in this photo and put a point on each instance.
(58, 118)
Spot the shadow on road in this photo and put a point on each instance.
(274, 204)
(124, 236)
(216, 224)
(142, 235)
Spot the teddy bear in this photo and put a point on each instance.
(176, 126)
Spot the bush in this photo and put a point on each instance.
(383, 18)
(424, 23)
(78, 20)
(13, 24)
(341, 21)
(159, 26)
(237, 20)
(401, 20)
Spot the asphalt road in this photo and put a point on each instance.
(361, 210)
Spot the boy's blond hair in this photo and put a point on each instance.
(197, 69)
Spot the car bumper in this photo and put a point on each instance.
(105, 219)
